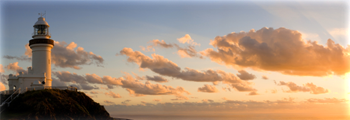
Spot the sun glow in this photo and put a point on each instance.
(347, 78)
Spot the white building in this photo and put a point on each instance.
(39, 75)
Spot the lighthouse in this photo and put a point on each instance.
(39, 75)
(41, 46)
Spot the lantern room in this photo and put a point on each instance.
(41, 29)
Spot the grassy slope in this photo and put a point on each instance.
(54, 104)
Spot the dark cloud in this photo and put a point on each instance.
(64, 56)
(244, 75)
(108, 102)
(132, 85)
(253, 93)
(207, 100)
(156, 78)
(282, 50)
(22, 58)
(94, 92)
(125, 102)
(163, 66)
(308, 87)
(66, 76)
(4, 78)
(326, 100)
(57, 82)
(84, 86)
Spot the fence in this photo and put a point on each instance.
(10, 98)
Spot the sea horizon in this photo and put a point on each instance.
(230, 116)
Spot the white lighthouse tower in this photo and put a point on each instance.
(39, 75)
(41, 46)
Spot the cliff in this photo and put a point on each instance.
(54, 104)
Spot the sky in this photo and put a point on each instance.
(201, 56)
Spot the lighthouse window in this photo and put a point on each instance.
(41, 30)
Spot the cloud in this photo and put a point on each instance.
(226, 88)
(1, 69)
(265, 77)
(57, 82)
(93, 78)
(66, 56)
(22, 58)
(2, 86)
(157, 100)
(308, 87)
(187, 39)
(28, 51)
(156, 78)
(208, 88)
(4, 78)
(125, 102)
(147, 49)
(326, 100)
(235, 82)
(162, 44)
(180, 98)
(94, 92)
(253, 93)
(66, 76)
(112, 94)
(207, 100)
(132, 85)
(135, 87)
(316, 90)
(105, 88)
(163, 66)
(108, 102)
(188, 51)
(87, 86)
(14, 67)
(244, 75)
(273, 91)
(281, 50)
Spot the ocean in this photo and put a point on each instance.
(246, 116)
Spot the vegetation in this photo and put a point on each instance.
(54, 104)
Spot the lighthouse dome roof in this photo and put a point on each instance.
(41, 21)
